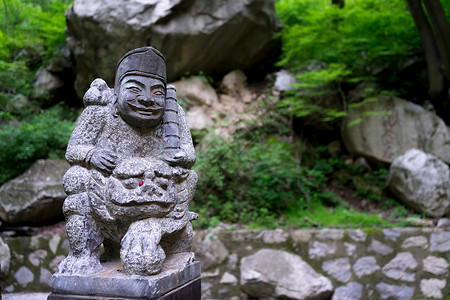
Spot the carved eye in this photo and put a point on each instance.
(130, 183)
(134, 89)
(158, 93)
(162, 182)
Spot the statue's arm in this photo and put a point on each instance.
(83, 141)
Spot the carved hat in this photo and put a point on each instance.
(146, 61)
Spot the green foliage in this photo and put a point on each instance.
(45, 135)
(328, 46)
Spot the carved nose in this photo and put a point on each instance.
(150, 190)
(145, 100)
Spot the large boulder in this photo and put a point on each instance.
(389, 126)
(35, 196)
(210, 36)
(276, 274)
(421, 181)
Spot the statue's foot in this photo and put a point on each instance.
(144, 262)
(83, 264)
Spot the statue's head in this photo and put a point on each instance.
(140, 87)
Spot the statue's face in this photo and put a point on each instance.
(141, 100)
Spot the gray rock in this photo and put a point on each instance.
(443, 223)
(366, 265)
(421, 181)
(54, 242)
(351, 291)
(350, 248)
(198, 119)
(399, 292)
(5, 258)
(284, 81)
(435, 265)
(330, 234)
(18, 104)
(196, 92)
(35, 196)
(272, 274)
(233, 83)
(45, 85)
(432, 288)
(211, 252)
(357, 235)
(232, 261)
(37, 257)
(321, 250)
(415, 242)
(397, 268)
(380, 248)
(440, 241)
(276, 236)
(195, 36)
(228, 278)
(407, 126)
(45, 277)
(391, 234)
(338, 268)
(24, 276)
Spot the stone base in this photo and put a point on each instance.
(112, 282)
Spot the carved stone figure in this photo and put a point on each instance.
(130, 183)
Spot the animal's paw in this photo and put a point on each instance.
(84, 264)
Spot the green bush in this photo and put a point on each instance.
(45, 135)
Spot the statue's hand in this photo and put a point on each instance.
(104, 160)
(174, 157)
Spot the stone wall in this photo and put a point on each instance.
(397, 263)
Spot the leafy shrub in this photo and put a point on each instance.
(45, 135)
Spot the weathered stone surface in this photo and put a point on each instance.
(24, 276)
(276, 236)
(391, 234)
(350, 248)
(415, 242)
(45, 277)
(351, 291)
(198, 119)
(5, 258)
(195, 36)
(321, 250)
(338, 268)
(130, 182)
(330, 234)
(357, 235)
(432, 287)
(399, 292)
(443, 223)
(35, 196)
(421, 181)
(399, 266)
(45, 85)
(366, 265)
(278, 274)
(228, 278)
(284, 81)
(37, 257)
(380, 248)
(211, 252)
(112, 281)
(440, 241)
(196, 91)
(407, 126)
(435, 265)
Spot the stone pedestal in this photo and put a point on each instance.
(174, 282)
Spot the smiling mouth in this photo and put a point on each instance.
(145, 110)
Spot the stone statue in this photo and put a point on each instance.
(130, 183)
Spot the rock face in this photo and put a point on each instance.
(211, 36)
(421, 181)
(279, 274)
(392, 127)
(35, 196)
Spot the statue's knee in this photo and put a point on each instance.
(75, 204)
(75, 180)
